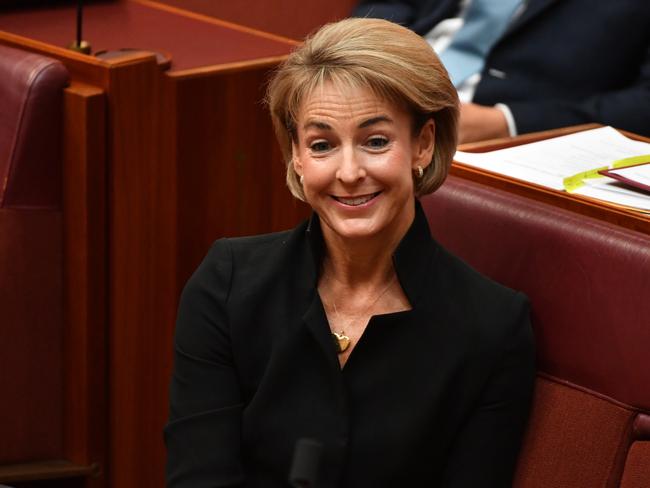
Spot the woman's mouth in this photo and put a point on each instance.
(357, 200)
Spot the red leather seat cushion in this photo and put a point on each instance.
(637, 466)
(574, 439)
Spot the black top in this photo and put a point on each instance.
(434, 396)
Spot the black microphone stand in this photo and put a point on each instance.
(79, 44)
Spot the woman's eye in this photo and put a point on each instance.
(377, 142)
(320, 146)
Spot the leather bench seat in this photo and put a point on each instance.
(31, 257)
(589, 286)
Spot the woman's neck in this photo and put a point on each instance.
(353, 264)
(357, 271)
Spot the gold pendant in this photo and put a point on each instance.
(341, 341)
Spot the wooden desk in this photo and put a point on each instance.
(291, 18)
(576, 203)
(159, 163)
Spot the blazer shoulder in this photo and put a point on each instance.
(250, 246)
(256, 256)
(255, 263)
(231, 255)
(492, 308)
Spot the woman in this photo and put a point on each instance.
(354, 329)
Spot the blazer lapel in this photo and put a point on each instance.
(533, 9)
(314, 316)
(316, 322)
(429, 13)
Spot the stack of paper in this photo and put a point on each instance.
(551, 162)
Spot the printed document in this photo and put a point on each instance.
(548, 162)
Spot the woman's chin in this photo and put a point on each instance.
(354, 229)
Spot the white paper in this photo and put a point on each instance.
(549, 161)
(614, 192)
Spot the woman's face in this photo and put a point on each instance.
(356, 154)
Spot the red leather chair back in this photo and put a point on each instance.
(589, 286)
(31, 93)
(31, 257)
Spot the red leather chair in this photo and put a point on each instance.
(589, 286)
(31, 261)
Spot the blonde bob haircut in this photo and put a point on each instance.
(394, 62)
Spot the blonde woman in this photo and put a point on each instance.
(355, 329)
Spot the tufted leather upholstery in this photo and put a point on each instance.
(31, 95)
(589, 286)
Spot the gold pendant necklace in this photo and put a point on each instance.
(341, 340)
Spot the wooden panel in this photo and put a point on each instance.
(576, 203)
(204, 164)
(231, 176)
(141, 281)
(85, 302)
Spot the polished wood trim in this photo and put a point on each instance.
(60, 51)
(85, 274)
(81, 66)
(128, 58)
(228, 68)
(216, 21)
(504, 142)
(598, 209)
(45, 470)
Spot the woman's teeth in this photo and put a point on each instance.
(355, 201)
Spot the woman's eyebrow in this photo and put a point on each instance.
(316, 124)
(375, 120)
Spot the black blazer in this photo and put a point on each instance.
(436, 396)
(561, 63)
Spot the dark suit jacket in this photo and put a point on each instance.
(563, 62)
(434, 396)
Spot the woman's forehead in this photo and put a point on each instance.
(337, 100)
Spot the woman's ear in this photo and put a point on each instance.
(295, 159)
(425, 143)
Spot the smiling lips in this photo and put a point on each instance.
(356, 201)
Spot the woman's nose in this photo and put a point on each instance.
(351, 168)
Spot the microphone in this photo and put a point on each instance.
(306, 463)
(78, 44)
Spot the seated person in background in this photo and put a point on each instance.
(543, 63)
(355, 329)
